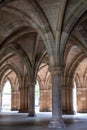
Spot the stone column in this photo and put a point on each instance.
(1, 96)
(45, 100)
(82, 99)
(0, 101)
(57, 121)
(15, 100)
(24, 99)
(67, 100)
(31, 99)
(26, 91)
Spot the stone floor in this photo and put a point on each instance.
(20, 121)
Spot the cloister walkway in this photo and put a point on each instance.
(20, 121)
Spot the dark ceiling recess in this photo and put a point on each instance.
(1, 1)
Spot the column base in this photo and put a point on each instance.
(32, 115)
(57, 123)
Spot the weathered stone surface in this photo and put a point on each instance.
(44, 40)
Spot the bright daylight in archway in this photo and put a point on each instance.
(37, 97)
(6, 97)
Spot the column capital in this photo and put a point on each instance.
(56, 70)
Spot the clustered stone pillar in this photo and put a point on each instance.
(0, 97)
(67, 100)
(24, 92)
(22, 100)
(31, 99)
(0, 100)
(81, 99)
(45, 100)
(57, 121)
(15, 100)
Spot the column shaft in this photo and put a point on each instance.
(57, 121)
(67, 100)
(0, 101)
(22, 100)
(32, 99)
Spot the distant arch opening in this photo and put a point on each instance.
(37, 96)
(6, 96)
(74, 98)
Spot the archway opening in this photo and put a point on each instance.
(74, 98)
(6, 97)
(37, 96)
(81, 86)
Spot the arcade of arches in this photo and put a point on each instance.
(44, 41)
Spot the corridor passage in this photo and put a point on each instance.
(20, 121)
